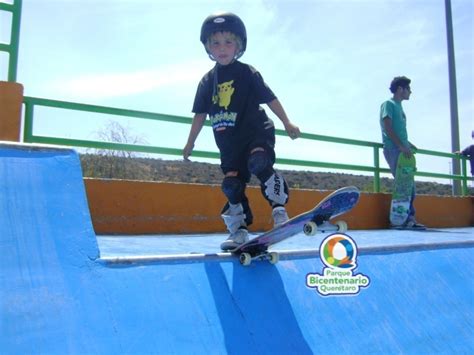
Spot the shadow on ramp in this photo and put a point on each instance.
(254, 311)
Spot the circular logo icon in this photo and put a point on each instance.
(338, 251)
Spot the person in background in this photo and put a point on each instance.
(469, 153)
(393, 123)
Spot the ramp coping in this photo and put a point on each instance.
(284, 254)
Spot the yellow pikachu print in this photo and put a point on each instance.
(224, 94)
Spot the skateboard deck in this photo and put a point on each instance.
(402, 191)
(317, 219)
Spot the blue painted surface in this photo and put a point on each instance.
(192, 244)
(57, 297)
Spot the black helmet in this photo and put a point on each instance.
(224, 22)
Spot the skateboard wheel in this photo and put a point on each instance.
(310, 228)
(245, 259)
(273, 257)
(341, 226)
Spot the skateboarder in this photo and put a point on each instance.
(395, 136)
(231, 94)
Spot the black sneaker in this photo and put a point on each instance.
(414, 225)
(409, 225)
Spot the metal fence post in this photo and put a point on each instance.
(377, 170)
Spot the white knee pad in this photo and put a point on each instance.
(275, 189)
(234, 217)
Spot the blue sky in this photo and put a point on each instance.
(330, 63)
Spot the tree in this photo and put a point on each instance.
(117, 164)
(114, 132)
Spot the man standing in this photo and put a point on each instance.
(395, 136)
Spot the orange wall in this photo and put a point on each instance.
(137, 207)
(11, 100)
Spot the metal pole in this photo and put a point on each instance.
(453, 96)
(14, 41)
(377, 170)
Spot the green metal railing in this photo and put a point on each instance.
(375, 169)
(13, 46)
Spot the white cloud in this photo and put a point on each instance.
(115, 85)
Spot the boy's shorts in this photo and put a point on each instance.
(236, 157)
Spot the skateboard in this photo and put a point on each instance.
(310, 222)
(402, 191)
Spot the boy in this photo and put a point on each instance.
(395, 136)
(231, 94)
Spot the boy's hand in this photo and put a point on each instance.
(292, 130)
(406, 151)
(413, 147)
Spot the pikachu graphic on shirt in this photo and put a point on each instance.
(224, 94)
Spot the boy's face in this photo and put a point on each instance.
(223, 47)
(405, 92)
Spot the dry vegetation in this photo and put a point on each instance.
(100, 166)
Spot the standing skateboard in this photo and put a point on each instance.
(402, 191)
(337, 203)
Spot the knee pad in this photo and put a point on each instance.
(233, 189)
(259, 164)
(275, 190)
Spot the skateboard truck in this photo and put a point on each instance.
(247, 258)
(311, 228)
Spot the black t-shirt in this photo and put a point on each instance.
(231, 95)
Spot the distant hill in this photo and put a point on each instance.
(149, 169)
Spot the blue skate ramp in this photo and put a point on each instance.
(57, 295)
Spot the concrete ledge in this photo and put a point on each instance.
(139, 207)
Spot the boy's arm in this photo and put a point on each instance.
(467, 152)
(198, 122)
(387, 125)
(276, 107)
